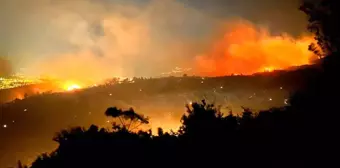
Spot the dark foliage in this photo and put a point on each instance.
(129, 115)
(323, 17)
(206, 135)
(316, 105)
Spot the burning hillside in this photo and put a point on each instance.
(246, 49)
(240, 47)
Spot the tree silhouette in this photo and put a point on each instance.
(129, 119)
(323, 17)
(20, 165)
(201, 119)
(315, 106)
(204, 133)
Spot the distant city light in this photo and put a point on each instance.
(17, 81)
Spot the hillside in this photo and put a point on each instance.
(162, 99)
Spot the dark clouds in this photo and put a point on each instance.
(279, 15)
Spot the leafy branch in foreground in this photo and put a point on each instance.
(129, 119)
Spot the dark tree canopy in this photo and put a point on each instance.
(206, 136)
(323, 17)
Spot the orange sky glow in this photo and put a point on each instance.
(244, 48)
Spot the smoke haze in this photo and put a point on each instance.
(92, 40)
(5, 67)
(244, 48)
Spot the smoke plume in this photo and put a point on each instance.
(244, 48)
(89, 40)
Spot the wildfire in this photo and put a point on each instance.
(244, 48)
(269, 69)
(70, 86)
(73, 87)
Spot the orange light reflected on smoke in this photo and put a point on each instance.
(246, 49)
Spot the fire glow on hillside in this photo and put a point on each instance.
(247, 49)
(241, 47)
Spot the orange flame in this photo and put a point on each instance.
(246, 49)
(71, 86)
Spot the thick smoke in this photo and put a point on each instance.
(90, 40)
(5, 67)
(244, 48)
